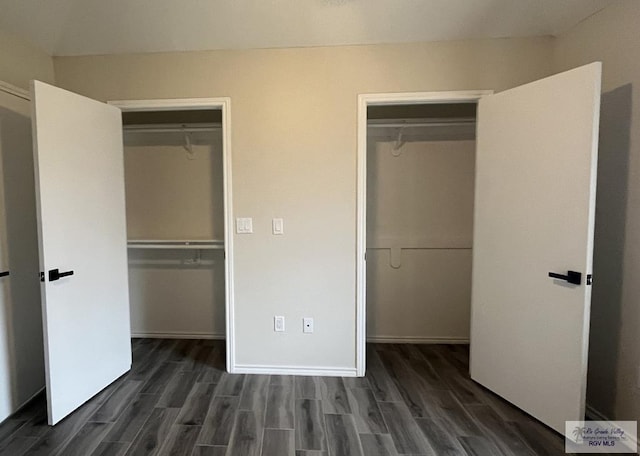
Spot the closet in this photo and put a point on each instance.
(530, 183)
(420, 193)
(62, 249)
(77, 276)
(175, 222)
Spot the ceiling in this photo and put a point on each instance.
(80, 27)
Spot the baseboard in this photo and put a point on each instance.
(25, 403)
(593, 414)
(177, 335)
(33, 396)
(293, 370)
(417, 340)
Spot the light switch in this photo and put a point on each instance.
(278, 226)
(244, 225)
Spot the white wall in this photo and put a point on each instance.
(421, 198)
(170, 196)
(294, 156)
(21, 346)
(612, 37)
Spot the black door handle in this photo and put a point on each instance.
(572, 277)
(4, 274)
(55, 274)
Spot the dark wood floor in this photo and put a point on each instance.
(177, 400)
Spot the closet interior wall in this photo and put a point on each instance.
(174, 196)
(420, 190)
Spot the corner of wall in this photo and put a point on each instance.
(610, 36)
(21, 61)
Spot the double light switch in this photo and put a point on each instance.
(244, 225)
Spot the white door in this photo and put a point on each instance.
(534, 215)
(82, 233)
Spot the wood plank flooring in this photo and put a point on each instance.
(178, 400)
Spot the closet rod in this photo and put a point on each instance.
(172, 128)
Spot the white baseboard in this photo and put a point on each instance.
(293, 370)
(24, 404)
(417, 340)
(177, 335)
(33, 396)
(593, 414)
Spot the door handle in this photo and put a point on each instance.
(55, 274)
(572, 277)
(4, 274)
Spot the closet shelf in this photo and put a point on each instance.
(179, 244)
(408, 123)
(173, 128)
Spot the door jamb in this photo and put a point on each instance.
(364, 101)
(223, 103)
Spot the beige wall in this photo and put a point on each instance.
(294, 156)
(170, 196)
(612, 37)
(20, 62)
(419, 200)
(172, 297)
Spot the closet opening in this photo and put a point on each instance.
(415, 218)
(420, 177)
(176, 162)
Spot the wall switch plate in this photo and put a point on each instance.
(244, 225)
(307, 325)
(278, 324)
(278, 226)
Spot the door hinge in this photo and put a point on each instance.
(589, 279)
(41, 276)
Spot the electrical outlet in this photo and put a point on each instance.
(278, 324)
(307, 325)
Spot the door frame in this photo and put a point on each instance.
(364, 101)
(224, 104)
